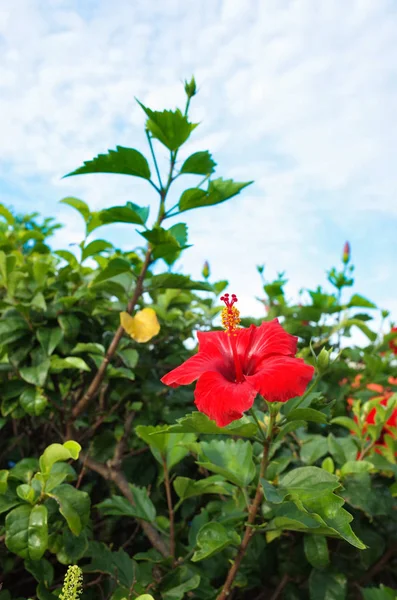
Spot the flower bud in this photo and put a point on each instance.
(190, 88)
(206, 270)
(323, 360)
(346, 253)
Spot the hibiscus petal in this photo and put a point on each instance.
(222, 400)
(270, 338)
(281, 378)
(191, 369)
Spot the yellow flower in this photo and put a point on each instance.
(142, 326)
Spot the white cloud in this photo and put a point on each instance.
(298, 95)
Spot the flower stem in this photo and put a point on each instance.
(170, 507)
(252, 512)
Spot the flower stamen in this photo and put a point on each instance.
(230, 321)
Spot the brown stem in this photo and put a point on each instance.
(95, 383)
(248, 530)
(111, 474)
(122, 443)
(170, 507)
(280, 587)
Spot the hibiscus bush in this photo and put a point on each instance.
(259, 465)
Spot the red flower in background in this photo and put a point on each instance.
(393, 342)
(235, 365)
(390, 427)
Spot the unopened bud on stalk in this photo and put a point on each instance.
(323, 360)
(206, 270)
(346, 253)
(190, 88)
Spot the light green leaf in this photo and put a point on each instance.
(124, 161)
(307, 414)
(164, 445)
(56, 453)
(348, 424)
(69, 362)
(90, 347)
(197, 422)
(381, 593)
(313, 448)
(8, 216)
(74, 506)
(79, 205)
(213, 538)
(95, 247)
(187, 488)
(357, 300)
(199, 163)
(3, 480)
(353, 466)
(37, 532)
(178, 592)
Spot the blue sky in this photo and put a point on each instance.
(299, 95)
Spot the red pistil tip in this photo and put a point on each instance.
(230, 314)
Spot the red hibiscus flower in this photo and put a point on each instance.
(393, 342)
(235, 365)
(390, 426)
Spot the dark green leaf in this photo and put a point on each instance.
(143, 507)
(36, 375)
(316, 550)
(218, 191)
(33, 401)
(197, 422)
(123, 161)
(230, 458)
(74, 505)
(187, 488)
(171, 128)
(199, 163)
(131, 213)
(176, 281)
(357, 300)
(307, 414)
(212, 538)
(327, 585)
(49, 338)
(95, 247)
(114, 267)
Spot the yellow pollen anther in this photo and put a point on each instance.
(230, 314)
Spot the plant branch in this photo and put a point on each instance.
(149, 139)
(95, 383)
(248, 533)
(111, 474)
(170, 507)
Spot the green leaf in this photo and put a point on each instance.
(25, 469)
(178, 592)
(160, 237)
(311, 489)
(3, 481)
(381, 593)
(69, 257)
(33, 401)
(176, 281)
(143, 507)
(327, 585)
(213, 538)
(95, 247)
(49, 338)
(271, 493)
(199, 163)
(37, 374)
(307, 414)
(170, 127)
(17, 530)
(114, 267)
(342, 449)
(218, 191)
(8, 216)
(353, 466)
(12, 329)
(70, 325)
(313, 448)
(231, 458)
(197, 422)
(69, 362)
(123, 161)
(164, 445)
(348, 424)
(74, 506)
(58, 453)
(90, 347)
(187, 488)
(117, 564)
(42, 570)
(316, 550)
(357, 300)
(38, 532)
(77, 204)
(371, 335)
(131, 213)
